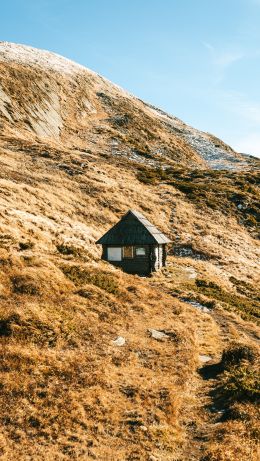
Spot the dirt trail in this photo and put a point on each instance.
(214, 331)
(204, 416)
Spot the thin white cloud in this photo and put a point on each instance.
(222, 60)
(208, 46)
(227, 58)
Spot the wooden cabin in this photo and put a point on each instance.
(135, 245)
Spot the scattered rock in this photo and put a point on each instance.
(191, 273)
(196, 304)
(119, 341)
(205, 358)
(219, 157)
(156, 334)
(143, 428)
(186, 250)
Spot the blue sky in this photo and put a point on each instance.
(197, 59)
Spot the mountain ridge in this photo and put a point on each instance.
(98, 106)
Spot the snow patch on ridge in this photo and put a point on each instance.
(27, 55)
(47, 60)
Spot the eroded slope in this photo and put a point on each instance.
(43, 95)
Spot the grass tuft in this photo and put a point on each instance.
(80, 276)
(241, 383)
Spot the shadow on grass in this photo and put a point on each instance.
(210, 371)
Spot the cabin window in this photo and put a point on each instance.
(128, 252)
(114, 254)
(140, 251)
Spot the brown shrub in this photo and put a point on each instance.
(235, 354)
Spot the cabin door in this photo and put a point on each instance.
(114, 254)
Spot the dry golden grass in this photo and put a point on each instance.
(66, 390)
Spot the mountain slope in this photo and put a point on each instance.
(75, 153)
(63, 102)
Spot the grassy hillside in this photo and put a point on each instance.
(67, 390)
(232, 193)
(95, 363)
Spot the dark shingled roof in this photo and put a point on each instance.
(133, 229)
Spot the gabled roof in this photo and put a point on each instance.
(133, 229)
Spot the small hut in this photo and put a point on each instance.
(135, 245)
